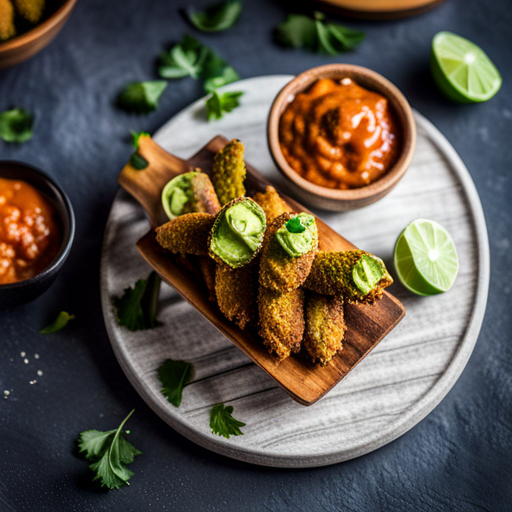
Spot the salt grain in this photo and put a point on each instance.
(33, 381)
(39, 372)
(25, 361)
(36, 356)
(23, 354)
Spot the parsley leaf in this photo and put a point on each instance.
(136, 136)
(60, 322)
(110, 453)
(16, 125)
(174, 376)
(317, 35)
(217, 17)
(136, 309)
(222, 423)
(218, 103)
(294, 225)
(141, 97)
(138, 162)
(193, 58)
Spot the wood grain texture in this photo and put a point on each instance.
(303, 381)
(398, 384)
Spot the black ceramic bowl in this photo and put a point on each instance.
(16, 294)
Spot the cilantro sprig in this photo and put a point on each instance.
(16, 125)
(137, 161)
(109, 452)
(174, 376)
(219, 103)
(222, 422)
(217, 17)
(59, 323)
(141, 97)
(136, 309)
(317, 34)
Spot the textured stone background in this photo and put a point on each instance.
(459, 458)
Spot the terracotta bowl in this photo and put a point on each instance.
(21, 48)
(335, 199)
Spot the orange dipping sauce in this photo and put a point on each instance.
(339, 135)
(29, 233)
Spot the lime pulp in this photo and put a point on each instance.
(425, 258)
(462, 70)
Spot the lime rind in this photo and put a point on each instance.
(462, 70)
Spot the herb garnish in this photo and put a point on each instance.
(16, 125)
(110, 452)
(136, 136)
(60, 322)
(297, 225)
(222, 423)
(217, 17)
(193, 58)
(174, 376)
(137, 161)
(317, 35)
(218, 103)
(136, 309)
(141, 97)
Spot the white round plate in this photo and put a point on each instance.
(393, 389)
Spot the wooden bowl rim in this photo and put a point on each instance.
(399, 104)
(39, 30)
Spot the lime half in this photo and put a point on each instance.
(425, 258)
(462, 70)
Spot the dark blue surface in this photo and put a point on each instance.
(459, 458)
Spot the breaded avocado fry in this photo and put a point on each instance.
(235, 290)
(238, 232)
(228, 172)
(325, 327)
(31, 10)
(289, 249)
(207, 268)
(187, 234)
(359, 276)
(7, 28)
(281, 317)
(271, 202)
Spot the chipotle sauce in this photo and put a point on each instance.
(339, 135)
(29, 233)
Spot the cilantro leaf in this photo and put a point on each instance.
(138, 162)
(141, 97)
(295, 225)
(110, 453)
(16, 125)
(218, 103)
(136, 136)
(317, 35)
(136, 309)
(217, 17)
(174, 376)
(222, 423)
(60, 322)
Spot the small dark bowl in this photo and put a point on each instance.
(16, 294)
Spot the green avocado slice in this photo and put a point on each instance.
(367, 272)
(178, 195)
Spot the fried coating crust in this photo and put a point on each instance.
(235, 290)
(207, 268)
(279, 271)
(7, 28)
(325, 327)
(271, 202)
(31, 10)
(331, 274)
(206, 200)
(187, 234)
(281, 321)
(228, 172)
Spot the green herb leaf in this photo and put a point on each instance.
(222, 423)
(317, 35)
(16, 125)
(295, 225)
(60, 322)
(217, 17)
(136, 309)
(110, 452)
(136, 136)
(218, 103)
(138, 162)
(141, 97)
(193, 58)
(174, 376)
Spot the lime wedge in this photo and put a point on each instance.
(425, 258)
(462, 70)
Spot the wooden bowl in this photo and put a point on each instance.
(335, 199)
(21, 48)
